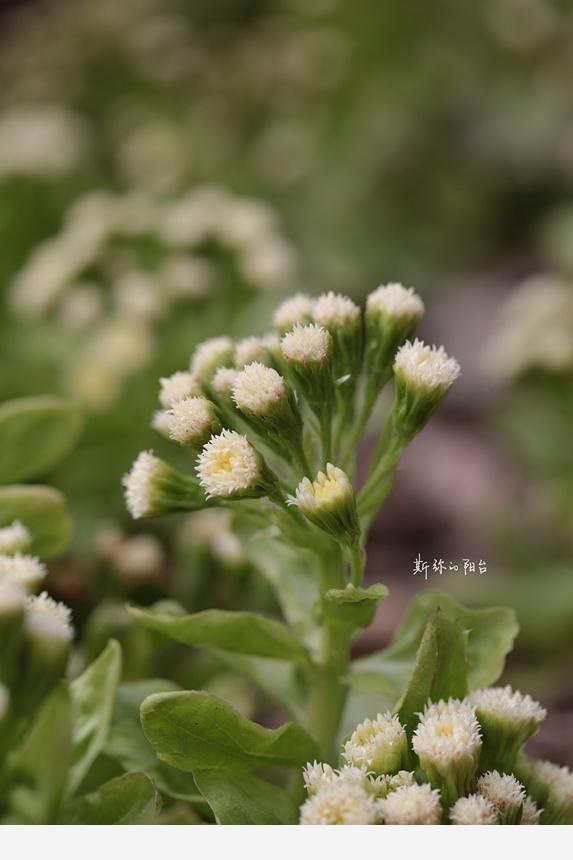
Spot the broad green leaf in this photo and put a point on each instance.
(196, 730)
(239, 798)
(280, 680)
(35, 434)
(43, 511)
(41, 764)
(489, 638)
(440, 670)
(128, 799)
(128, 745)
(93, 695)
(243, 632)
(355, 607)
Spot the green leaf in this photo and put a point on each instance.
(355, 607)
(93, 695)
(43, 511)
(41, 764)
(239, 798)
(128, 745)
(195, 730)
(244, 632)
(128, 799)
(489, 638)
(280, 681)
(35, 434)
(440, 670)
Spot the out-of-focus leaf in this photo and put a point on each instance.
(195, 730)
(244, 632)
(128, 799)
(93, 695)
(239, 798)
(35, 434)
(355, 607)
(278, 679)
(43, 511)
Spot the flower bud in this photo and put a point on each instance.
(12, 607)
(48, 634)
(412, 804)
(27, 569)
(330, 503)
(308, 353)
(153, 488)
(447, 742)
(342, 319)
(384, 785)
(14, 538)
(160, 422)
(474, 809)
(294, 311)
(192, 421)
(423, 376)
(379, 745)
(391, 317)
(507, 719)
(223, 381)
(177, 387)
(229, 467)
(530, 813)
(552, 786)
(339, 802)
(505, 793)
(253, 349)
(210, 355)
(265, 398)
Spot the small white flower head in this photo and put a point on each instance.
(178, 386)
(339, 802)
(530, 813)
(329, 502)
(210, 355)
(249, 350)
(160, 422)
(383, 785)
(293, 311)
(474, 809)
(229, 467)
(223, 381)
(307, 345)
(380, 745)
(412, 804)
(258, 389)
(505, 793)
(152, 488)
(428, 368)
(316, 775)
(395, 302)
(27, 569)
(559, 778)
(507, 719)
(46, 619)
(331, 310)
(448, 742)
(505, 703)
(12, 597)
(14, 538)
(138, 558)
(192, 421)
(554, 785)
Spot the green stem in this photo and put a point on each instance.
(378, 486)
(357, 563)
(326, 437)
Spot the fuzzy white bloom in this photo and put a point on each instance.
(395, 301)
(382, 785)
(42, 140)
(257, 388)
(137, 296)
(213, 528)
(210, 354)
(138, 484)
(187, 277)
(270, 262)
(559, 778)
(474, 809)
(190, 421)
(447, 732)
(248, 350)
(316, 775)
(160, 422)
(502, 790)
(530, 813)
(412, 804)
(227, 465)
(82, 307)
(138, 557)
(224, 380)
(293, 311)
(12, 596)
(328, 489)
(339, 802)
(48, 619)
(426, 367)
(333, 309)
(14, 538)
(27, 569)
(306, 344)
(379, 744)
(503, 702)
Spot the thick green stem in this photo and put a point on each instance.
(327, 692)
(357, 563)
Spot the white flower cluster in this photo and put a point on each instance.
(426, 367)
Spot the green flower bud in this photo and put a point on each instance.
(12, 608)
(507, 719)
(391, 317)
(552, 788)
(330, 503)
(153, 489)
(308, 352)
(342, 319)
(48, 635)
(379, 745)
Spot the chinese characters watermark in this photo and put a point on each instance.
(465, 566)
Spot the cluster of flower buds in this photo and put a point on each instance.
(280, 416)
(443, 774)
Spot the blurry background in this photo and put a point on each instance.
(170, 169)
